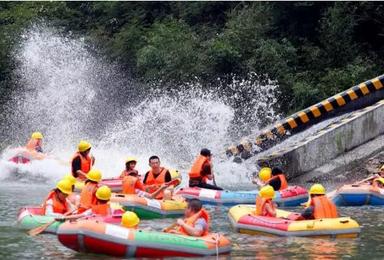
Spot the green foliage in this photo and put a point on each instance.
(313, 49)
(169, 52)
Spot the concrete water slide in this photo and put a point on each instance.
(362, 107)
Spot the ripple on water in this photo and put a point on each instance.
(16, 244)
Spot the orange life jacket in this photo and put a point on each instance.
(85, 162)
(283, 181)
(260, 206)
(58, 206)
(130, 184)
(197, 167)
(155, 182)
(192, 220)
(88, 196)
(323, 207)
(127, 173)
(101, 209)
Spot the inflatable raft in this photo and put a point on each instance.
(101, 238)
(32, 216)
(292, 196)
(150, 208)
(22, 155)
(243, 221)
(357, 195)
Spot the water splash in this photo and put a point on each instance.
(68, 93)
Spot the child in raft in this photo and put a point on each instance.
(130, 165)
(264, 204)
(319, 206)
(195, 223)
(273, 177)
(56, 203)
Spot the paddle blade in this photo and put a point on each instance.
(40, 229)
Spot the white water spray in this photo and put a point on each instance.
(69, 94)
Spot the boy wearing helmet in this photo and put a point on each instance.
(88, 193)
(273, 177)
(56, 203)
(319, 205)
(82, 161)
(264, 204)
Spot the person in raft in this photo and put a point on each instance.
(195, 223)
(319, 206)
(88, 193)
(130, 165)
(130, 220)
(201, 171)
(264, 204)
(101, 206)
(273, 177)
(82, 161)
(73, 198)
(131, 184)
(35, 143)
(155, 177)
(56, 203)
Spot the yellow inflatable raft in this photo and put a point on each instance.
(243, 221)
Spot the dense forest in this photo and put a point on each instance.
(313, 49)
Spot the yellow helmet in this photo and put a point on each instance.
(131, 159)
(103, 193)
(130, 219)
(265, 173)
(37, 135)
(317, 189)
(267, 192)
(175, 174)
(382, 168)
(83, 146)
(380, 180)
(94, 175)
(65, 186)
(70, 178)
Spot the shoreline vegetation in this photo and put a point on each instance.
(312, 49)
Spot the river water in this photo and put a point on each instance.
(16, 244)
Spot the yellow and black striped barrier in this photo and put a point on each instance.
(287, 156)
(298, 121)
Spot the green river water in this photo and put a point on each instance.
(16, 244)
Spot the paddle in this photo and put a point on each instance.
(366, 179)
(40, 229)
(213, 179)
